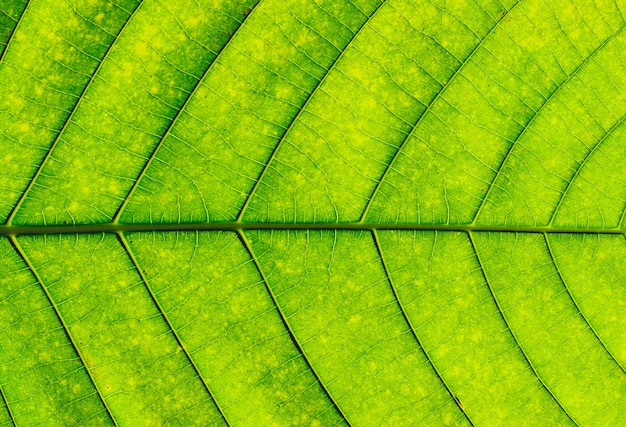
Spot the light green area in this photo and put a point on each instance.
(220, 307)
(138, 366)
(593, 268)
(52, 56)
(563, 349)
(328, 164)
(575, 138)
(448, 166)
(333, 291)
(226, 115)
(445, 296)
(151, 69)
(42, 376)
(243, 108)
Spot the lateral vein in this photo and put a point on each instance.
(427, 110)
(287, 326)
(57, 138)
(508, 326)
(537, 114)
(17, 24)
(66, 329)
(146, 165)
(413, 330)
(6, 403)
(243, 209)
(179, 341)
(571, 297)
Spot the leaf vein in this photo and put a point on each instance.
(10, 39)
(413, 330)
(508, 326)
(571, 297)
(537, 113)
(285, 322)
(99, 228)
(427, 110)
(69, 118)
(155, 301)
(582, 164)
(266, 167)
(6, 403)
(66, 329)
(146, 165)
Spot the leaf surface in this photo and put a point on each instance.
(312, 212)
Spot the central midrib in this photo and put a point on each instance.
(14, 230)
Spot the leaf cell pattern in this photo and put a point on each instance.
(312, 212)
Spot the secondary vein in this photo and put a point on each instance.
(66, 329)
(537, 114)
(179, 341)
(6, 403)
(508, 326)
(283, 318)
(144, 169)
(17, 24)
(571, 297)
(581, 165)
(427, 110)
(31, 183)
(243, 209)
(413, 330)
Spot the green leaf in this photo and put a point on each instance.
(312, 212)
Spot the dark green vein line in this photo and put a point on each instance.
(621, 220)
(242, 211)
(285, 322)
(17, 24)
(413, 330)
(6, 403)
(582, 164)
(571, 297)
(179, 341)
(66, 329)
(146, 165)
(16, 230)
(69, 118)
(537, 113)
(438, 95)
(508, 326)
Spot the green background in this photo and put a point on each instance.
(312, 212)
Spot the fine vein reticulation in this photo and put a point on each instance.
(372, 212)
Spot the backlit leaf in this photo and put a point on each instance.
(312, 212)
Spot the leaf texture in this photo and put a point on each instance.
(312, 212)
